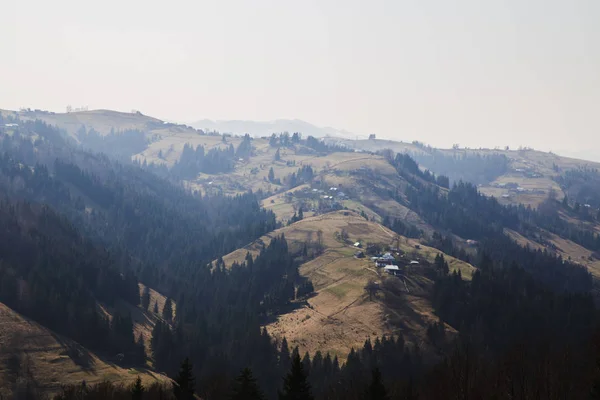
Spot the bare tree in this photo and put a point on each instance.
(372, 288)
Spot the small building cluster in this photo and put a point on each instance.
(393, 265)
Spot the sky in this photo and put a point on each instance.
(468, 72)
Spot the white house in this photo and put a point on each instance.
(392, 269)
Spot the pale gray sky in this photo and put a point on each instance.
(474, 72)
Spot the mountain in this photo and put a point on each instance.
(266, 128)
(237, 251)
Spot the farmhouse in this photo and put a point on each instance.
(386, 259)
(392, 269)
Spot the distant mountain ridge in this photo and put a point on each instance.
(266, 128)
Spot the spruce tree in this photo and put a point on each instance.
(271, 176)
(137, 390)
(295, 384)
(168, 310)
(140, 350)
(376, 390)
(284, 355)
(246, 388)
(146, 298)
(277, 155)
(184, 385)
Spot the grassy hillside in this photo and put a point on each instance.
(533, 171)
(30, 352)
(340, 315)
(33, 353)
(103, 121)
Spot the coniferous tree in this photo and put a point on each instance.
(271, 176)
(376, 390)
(184, 385)
(155, 307)
(277, 155)
(140, 350)
(146, 298)
(137, 390)
(167, 313)
(246, 388)
(284, 356)
(295, 384)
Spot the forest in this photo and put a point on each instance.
(469, 167)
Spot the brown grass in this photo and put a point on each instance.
(340, 316)
(30, 352)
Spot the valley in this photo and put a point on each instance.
(259, 239)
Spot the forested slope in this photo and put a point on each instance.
(82, 230)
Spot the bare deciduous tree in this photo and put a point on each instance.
(372, 288)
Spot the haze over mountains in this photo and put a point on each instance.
(266, 128)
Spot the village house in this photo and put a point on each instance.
(392, 269)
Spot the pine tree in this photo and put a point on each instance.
(184, 385)
(376, 390)
(300, 214)
(137, 390)
(295, 384)
(271, 176)
(246, 388)
(146, 298)
(284, 355)
(277, 155)
(140, 349)
(167, 313)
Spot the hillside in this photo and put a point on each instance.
(266, 128)
(34, 357)
(527, 177)
(340, 316)
(102, 121)
(99, 231)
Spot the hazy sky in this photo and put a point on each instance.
(473, 72)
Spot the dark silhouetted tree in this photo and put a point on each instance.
(246, 388)
(146, 298)
(167, 313)
(184, 385)
(295, 384)
(137, 390)
(376, 390)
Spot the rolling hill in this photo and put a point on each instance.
(340, 316)
(323, 196)
(266, 128)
